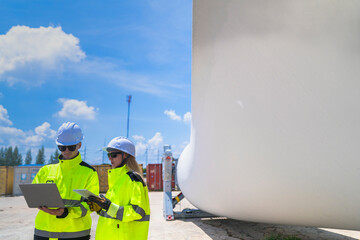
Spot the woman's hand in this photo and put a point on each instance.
(102, 202)
(93, 206)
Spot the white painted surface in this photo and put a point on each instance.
(276, 112)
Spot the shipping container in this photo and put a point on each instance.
(24, 174)
(154, 179)
(142, 170)
(6, 180)
(102, 171)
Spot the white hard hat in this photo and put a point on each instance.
(69, 133)
(121, 143)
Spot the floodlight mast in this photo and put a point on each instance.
(128, 99)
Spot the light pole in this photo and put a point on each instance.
(128, 99)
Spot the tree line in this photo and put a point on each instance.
(12, 157)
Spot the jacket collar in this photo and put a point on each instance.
(114, 174)
(118, 170)
(70, 163)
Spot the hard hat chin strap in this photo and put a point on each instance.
(124, 160)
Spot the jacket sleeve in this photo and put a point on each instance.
(39, 178)
(137, 208)
(80, 208)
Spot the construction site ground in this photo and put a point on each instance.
(17, 223)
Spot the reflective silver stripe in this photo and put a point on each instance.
(83, 210)
(145, 218)
(104, 214)
(71, 203)
(42, 233)
(120, 213)
(75, 203)
(139, 210)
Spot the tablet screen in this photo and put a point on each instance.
(85, 193)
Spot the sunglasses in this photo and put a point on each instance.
(113, 154)
(63, 148)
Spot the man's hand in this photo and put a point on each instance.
(58, 212)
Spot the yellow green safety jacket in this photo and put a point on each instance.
(68, 175)
(129, 213)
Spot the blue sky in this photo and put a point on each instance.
(78, 60)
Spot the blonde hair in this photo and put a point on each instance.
(133, 165)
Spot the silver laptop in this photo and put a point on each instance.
(42, 194)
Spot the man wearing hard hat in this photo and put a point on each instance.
(73, 221)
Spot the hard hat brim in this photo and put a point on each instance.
(67, 143)
(109, 149)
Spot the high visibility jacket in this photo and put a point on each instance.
(68, 175)
(129, 213)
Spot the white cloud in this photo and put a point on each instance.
(156, 140)
(15, 136)
(140, 148)
(33, 141)
(171, 113)
(152, 145)
(95, 68)
(187, 117)
(75, 109)
(35, 55)
(11, 132)
(43, 48)
(178, 149)
(4, 117)
(45, 130)
(138, 138)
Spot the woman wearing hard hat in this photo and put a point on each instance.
(124, 210)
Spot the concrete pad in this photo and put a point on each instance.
(229, 229)
(17, 223)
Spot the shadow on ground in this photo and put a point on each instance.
(229, 229)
